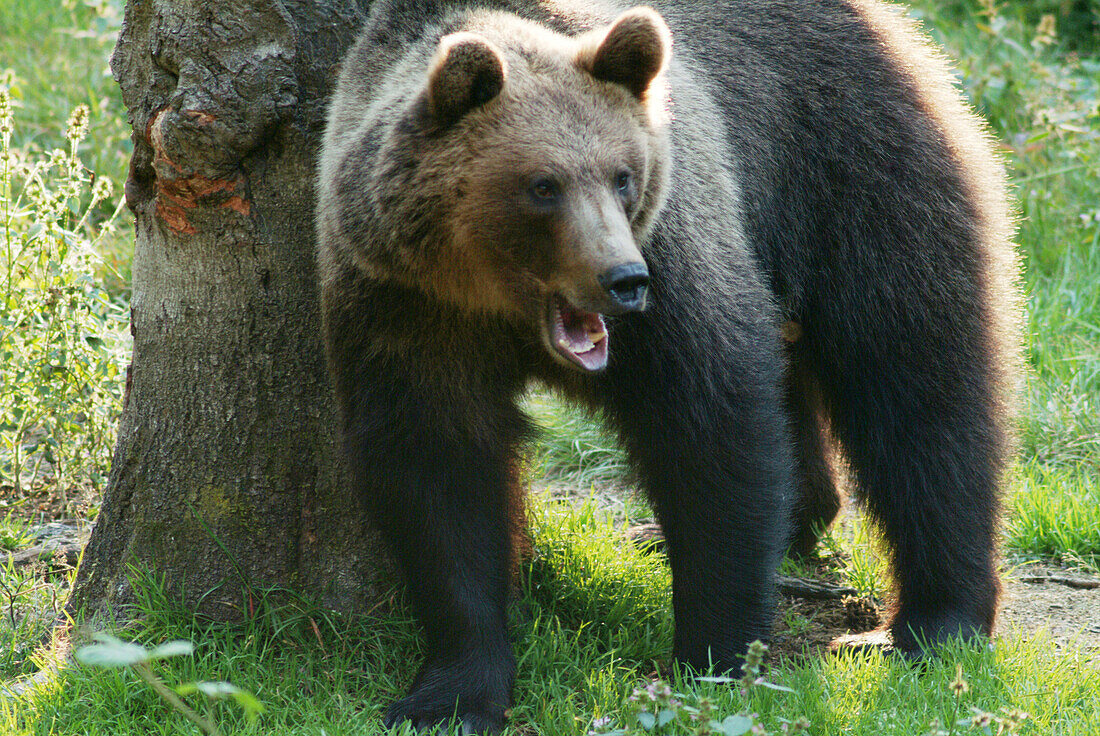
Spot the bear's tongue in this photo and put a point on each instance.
(579, 336)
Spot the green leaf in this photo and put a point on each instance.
(222, 691)
(111, 652)
(176, 648)
(214, 690)
(647, 720)
(736, 725)
(665, 717)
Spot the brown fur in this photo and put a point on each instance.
(632, 52)
(467, 72)
(458, 253)
(972, 146)
(831, 277)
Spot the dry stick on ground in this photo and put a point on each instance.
(814, 589)
(650, 536)
(47, 551)
(1069, 582)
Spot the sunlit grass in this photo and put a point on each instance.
(1056, 513)
(317, 673)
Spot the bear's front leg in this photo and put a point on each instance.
(438, 475)
(697, 398)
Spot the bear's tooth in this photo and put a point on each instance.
(575, 346)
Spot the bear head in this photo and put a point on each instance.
(521, 177)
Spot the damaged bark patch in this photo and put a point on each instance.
(175, 218)
(238, 204)
(188, 191)
(199, 116)
(180, 189)
(176, 196)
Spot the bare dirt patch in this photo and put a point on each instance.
(1048, 598)
(1038, 600)
(818, 613)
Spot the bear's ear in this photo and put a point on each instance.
(467, 72)
(632, 52)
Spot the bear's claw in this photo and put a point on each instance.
(469, 697)
(427, 720)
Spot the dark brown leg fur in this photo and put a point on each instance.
(924, 436)
(705, 431)
(817, 502)
(432, 443)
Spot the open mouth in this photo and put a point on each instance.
(576, 335)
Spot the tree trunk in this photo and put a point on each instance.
(228, 472)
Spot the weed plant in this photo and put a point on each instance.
(59, 330)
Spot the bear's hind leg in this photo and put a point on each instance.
(916, 407)
(817, 501)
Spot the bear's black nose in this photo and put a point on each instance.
(626, 285)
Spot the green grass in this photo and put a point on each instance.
(573, 447)
(1055, 514)
(592, 619)
(317, 673)
(31, 598)
(14, 533)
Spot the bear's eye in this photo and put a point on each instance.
(623, 180)
(545, 190)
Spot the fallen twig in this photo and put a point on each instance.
(47, 551)
(1066, 580)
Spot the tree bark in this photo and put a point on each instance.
(228, 473)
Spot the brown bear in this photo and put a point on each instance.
(771, 231)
